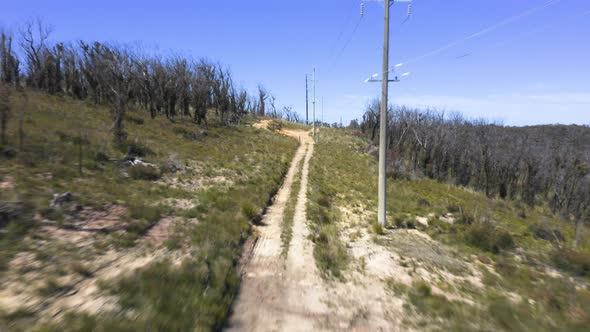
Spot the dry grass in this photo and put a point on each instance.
(201, 279)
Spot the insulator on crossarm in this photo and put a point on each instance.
(362, 8)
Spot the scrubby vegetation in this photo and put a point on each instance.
(534, 276)
(545, 166)
(227, 177)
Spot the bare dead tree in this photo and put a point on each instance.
(9, 63)
(262, 96)
(34, 36)
(4, 110)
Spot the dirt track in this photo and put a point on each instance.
(289, 294)
(278, 293)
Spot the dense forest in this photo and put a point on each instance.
(538, 164)
(175, 87)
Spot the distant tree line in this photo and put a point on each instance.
(532, 164)
(174, 87)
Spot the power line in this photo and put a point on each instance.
(479, 33)
(528, 33)
(339, 54)
(346, 22)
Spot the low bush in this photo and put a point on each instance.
(453, 208)
(208, 285)
(144, 172)
(275, 125)
(488, 237)
(466, 218)
(136, 149)
(135, 119)
(404, 222)
(330, 255)
(16, 217)
(7, 152)
(250, 212)
(101, 157)
(188, 134)
(572, 261)
(543, 231)
(423, 301)
(145, 212)
(377, 228)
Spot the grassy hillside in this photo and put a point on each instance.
(523, 270)
(206, 185)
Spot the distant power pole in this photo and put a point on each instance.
(322, 124)
(306, 102)
(313, 120)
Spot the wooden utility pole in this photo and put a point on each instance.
(306, 102)
(382, 204)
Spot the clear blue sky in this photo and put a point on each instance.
(534, 70)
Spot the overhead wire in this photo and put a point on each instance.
(345, 46)
(529, 32)
(479, 33)
(342, 30)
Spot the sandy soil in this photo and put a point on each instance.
(279, 294)
(260, 302)
(81, 275)
(290, 294)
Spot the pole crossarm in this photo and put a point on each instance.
(374, 80)
(391, 2)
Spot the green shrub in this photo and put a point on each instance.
(330, 254)
(249, 211)
(7, 152)
(572, 261)
(188, 134)
(481, 236)
(466, 218)
(377, 228)
(488, 237)
(146, 212)
(101, 157)
(453, 208)
(544, 232)
(275, 125)
(135, 119)
(503, 240)
(404, 222)
(432, 305)
(144, 172)
(206, 288)
(423, 289)
(423, 202)
(137, 149)
(17, 217)
(51, 213)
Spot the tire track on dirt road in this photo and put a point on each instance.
(260, 304)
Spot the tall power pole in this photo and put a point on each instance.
(382, 204)
(306, 102)
(382, 190)
(313, 120)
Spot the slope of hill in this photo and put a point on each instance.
(136, 245)
(151, 233)
(451, 259)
